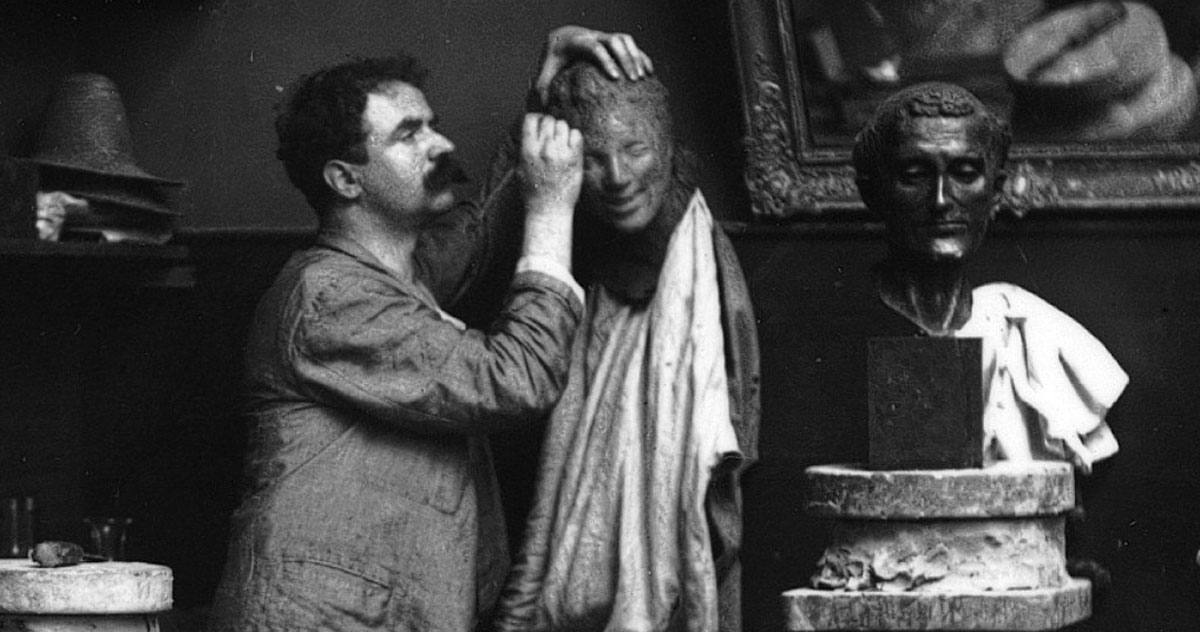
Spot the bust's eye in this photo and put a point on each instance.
(913, 172)
(637, 149)
(966, 170)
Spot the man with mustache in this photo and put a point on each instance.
(930, 163)
(371, 500)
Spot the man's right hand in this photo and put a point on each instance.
(551, 172)
(551, 163)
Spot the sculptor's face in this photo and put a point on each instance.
(937, 189)
(626, 168)
(405, 173)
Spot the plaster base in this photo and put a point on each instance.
(1041, 609)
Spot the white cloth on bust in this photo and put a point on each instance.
(618, 537)
(1047, 382)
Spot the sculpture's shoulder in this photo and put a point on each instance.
(1011, 301)
(996, 308)
(735, 289)
(1005, 292)
(1046, 332)
(741, 340)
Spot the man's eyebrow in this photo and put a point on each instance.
(408, 125)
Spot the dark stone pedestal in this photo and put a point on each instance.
(925, 403)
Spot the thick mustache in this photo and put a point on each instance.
(446, 171)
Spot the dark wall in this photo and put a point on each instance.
(200, 78)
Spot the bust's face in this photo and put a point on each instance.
(937, 189)
(626, 167)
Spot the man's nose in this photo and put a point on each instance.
(440, 145)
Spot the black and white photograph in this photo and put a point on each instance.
(616, 316)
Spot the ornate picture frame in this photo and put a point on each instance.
(792, 176)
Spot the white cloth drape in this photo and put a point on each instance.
(1048, 383)
(618, 539)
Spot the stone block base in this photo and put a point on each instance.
(1032, 610)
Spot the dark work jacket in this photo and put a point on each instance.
(371, 501)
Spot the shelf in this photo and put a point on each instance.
(168, 254)
(144, 265)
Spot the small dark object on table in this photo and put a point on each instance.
(54, 554)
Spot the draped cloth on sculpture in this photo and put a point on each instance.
(618, 538)
(1048, 383)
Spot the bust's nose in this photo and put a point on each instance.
(940, 202)
(616, 176)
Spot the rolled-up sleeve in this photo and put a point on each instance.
(364, 343)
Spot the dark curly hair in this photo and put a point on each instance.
(321, 118)
(933, 99)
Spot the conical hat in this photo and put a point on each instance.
(86, 128)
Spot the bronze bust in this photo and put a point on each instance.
(930, 163)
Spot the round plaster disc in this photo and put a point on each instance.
(88, 588)
(1005, 489)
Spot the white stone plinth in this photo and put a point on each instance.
(91, 588)
(1006, 489)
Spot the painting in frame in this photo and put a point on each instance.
(1101, 95)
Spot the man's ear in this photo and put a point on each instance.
(342, 177)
